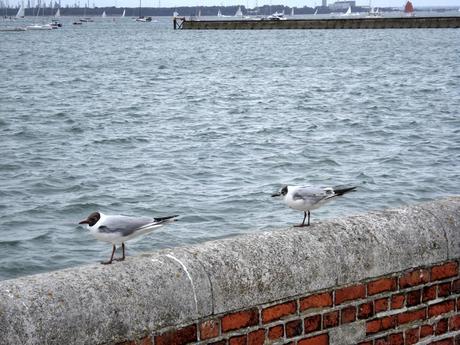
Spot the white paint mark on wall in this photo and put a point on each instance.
(188, 276)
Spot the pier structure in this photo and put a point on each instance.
(324, 23)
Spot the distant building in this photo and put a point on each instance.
(342, 5)
(324, 3)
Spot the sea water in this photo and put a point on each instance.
(137, 119)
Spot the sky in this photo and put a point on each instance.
(247, 3)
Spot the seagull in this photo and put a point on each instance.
(307, 198)
(118, 229)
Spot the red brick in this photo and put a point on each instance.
(240, 319)
(293, 328)
(409, 316)
(316, 301)
(413, 278)
(456, 286)
(331, 319)
(177, 337)
(444, 271)
(381, 285)
(392, 339)
(146, 341)
(429, 293)
(426, 330)
(441, 327)
(454, 323)
(380, 305)
(413, 298)
(238, 340)
(276, 332)
(350, 293)
(412, 336)
(382, 324)
(278, 311)
(209, 329)
(348, 315)
(397, 301)
(396, 339)
(365, 310)
(256, 337)
(322, 339)
(381, 341)
(444, 289)
(441, 308)
(312, 324)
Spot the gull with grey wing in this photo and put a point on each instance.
(118, 229)
(307, 198)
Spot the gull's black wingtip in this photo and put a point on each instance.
(162, 219)
(343, 190)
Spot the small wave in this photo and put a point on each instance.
(17, 241)
(121, 140)
(9, 167)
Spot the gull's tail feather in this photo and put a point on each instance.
(166, 219)
(341, 190)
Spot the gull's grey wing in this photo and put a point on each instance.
(125, 225)
(312, 194)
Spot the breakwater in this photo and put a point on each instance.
(332, 23)
(383, 276)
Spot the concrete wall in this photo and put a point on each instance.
(333, 23)
(380, 278)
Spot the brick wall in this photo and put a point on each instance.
(418, 306)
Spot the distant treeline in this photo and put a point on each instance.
(183, 11)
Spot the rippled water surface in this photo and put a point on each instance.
(138, 119)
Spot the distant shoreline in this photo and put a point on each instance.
(113, 11)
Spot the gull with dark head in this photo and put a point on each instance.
(307, 198)
(118, 229)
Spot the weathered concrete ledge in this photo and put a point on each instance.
(324, 23)
(99, 304)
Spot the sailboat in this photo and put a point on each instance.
(316, 12)
(239, 13)
(141, 18)
(175, 14)
(219, 13)
(348, 13)
(21, 12)
(103, 15)
(124, 13)
(292, 12)
(55, 23)
(409, 8)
